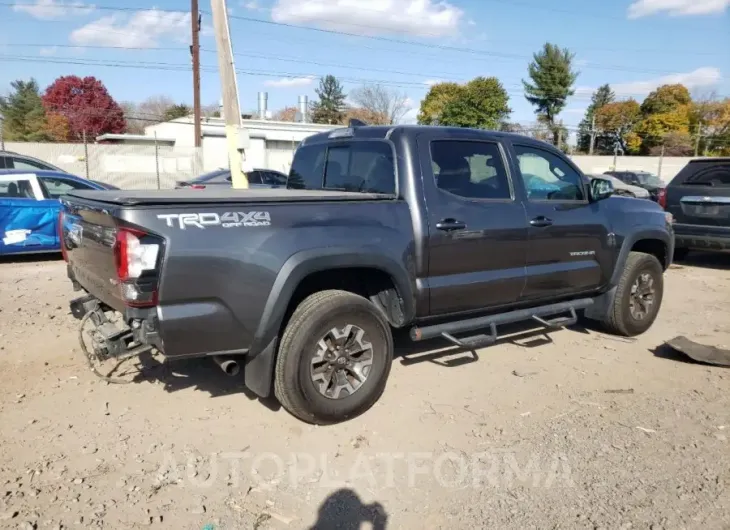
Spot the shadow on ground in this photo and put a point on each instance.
(343, 510)
(707, 260)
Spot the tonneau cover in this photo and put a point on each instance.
(228, 195)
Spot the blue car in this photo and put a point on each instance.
(29, 206)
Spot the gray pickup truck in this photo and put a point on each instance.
(445, 232)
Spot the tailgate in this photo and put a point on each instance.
(88, 235)
(711, 208)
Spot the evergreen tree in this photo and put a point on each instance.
(330, 108)
(177, 111)
(23, 112)
(602, 143)
(552, 83)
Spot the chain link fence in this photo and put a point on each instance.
(127, 166)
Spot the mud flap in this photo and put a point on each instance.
(700, 352)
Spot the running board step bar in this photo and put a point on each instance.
(448, 329)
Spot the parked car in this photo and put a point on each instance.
(10, 160)
(29, 206)
(436, 230)
(699, 199)
(267, 178)
(643, 179)
(621, 188)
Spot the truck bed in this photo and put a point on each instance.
(208, 196)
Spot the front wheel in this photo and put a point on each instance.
(334, 358)
(638, 296)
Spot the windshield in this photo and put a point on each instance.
(649, 179)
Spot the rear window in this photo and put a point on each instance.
(365, 166)
(718, 177)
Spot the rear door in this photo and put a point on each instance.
(700, 196)
(28, 221)
(567, 242)
(476, 224)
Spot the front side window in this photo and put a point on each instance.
(365, 166)
(24, 163)
(57, 186)
(473, 170)
(547, 176)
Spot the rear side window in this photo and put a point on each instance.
(16, 189)
(24, 163)
(718, 177)
(365, 166)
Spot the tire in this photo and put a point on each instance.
(300, 350)
(680, 254)
(621, 320)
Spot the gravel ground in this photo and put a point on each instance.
(574, 430)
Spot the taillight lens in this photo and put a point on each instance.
(662, 197)
(61, 241)
(197, 186)
(137, 256)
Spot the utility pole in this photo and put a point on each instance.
(237, 138)
(697, 141)
(661, 159)
(195, 51)
(593, 135)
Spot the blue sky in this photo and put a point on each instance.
(634, 45)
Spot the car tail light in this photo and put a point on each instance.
(61, 240)
(197, 186)
(662, 197)
(137, 256)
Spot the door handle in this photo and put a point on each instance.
(450, 224)
(541, 221)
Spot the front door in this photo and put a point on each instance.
(476, 225)
(568, 244)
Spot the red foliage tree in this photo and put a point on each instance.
(86, 105)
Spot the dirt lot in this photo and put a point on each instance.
(578, 430)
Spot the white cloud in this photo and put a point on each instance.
(420, 18)
(142, 30)
(252, 5)
(704, 77)
(53, 9)
(642, 8)
(288, 82)
(700, 78)
(51, 50)
(431, 82)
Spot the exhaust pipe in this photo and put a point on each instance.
(228, 365)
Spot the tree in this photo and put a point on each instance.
(286, 114)
(482, 104)
(674, 144)
(665, 110)
(135, 124)
(601, 145)
(330, 107)
(56, 127)
(387, 106)
(365, 115)
(552, 83)
(439, 95)
(618, 120)
(86, 104)
(666, 98)
(711, 116)
(177, 111)
(24, 116)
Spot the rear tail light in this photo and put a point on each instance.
(61, 240)
(197, 186)
(137, 257)
(662, 197)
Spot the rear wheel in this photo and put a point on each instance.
(638, 296)
(334, 358)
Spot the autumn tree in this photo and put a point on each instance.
(386, 106)
(602, 144)
(286, 114)
(331, 105)
(618, 120)
(711, 116)
(24, 116)
(552, 78)
(665, 110)
(439, 95)
(87, 106)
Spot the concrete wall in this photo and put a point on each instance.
(670, 166)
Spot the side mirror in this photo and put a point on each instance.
(601, 189)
